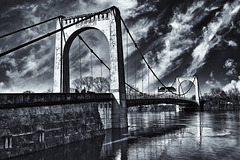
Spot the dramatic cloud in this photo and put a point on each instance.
(1, 85)
(212, 82)
(178, 40)
(230, 65)
(126, 6)
(210, 36)
(232, 86)
(232, 43)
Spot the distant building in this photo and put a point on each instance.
(166, 89)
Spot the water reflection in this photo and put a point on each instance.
(164, 135)
(88, 149)
(115, 144)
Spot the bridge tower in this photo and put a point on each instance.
(109, 23)
(194, 80)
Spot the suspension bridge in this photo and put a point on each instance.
(51, 119)
(125, 91)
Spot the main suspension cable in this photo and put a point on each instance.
(127, 56)
(173, 82)
(103, 62)
(184, 93)
(93, 52)
(80, 64)
(132, 87)
(200, 92)
(51, 33)
(62, 32)
(142, 79)
(148, 81)
(142, 56)
(182, 89)
(135, 44)
(30, 26)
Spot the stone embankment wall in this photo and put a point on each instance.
(37, 126)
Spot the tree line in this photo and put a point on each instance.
(217, 99)
(89, 83)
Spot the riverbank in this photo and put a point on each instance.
(221, 104)
(221, 107)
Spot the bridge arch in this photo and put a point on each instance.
(65, 61)
(194, 80)
(109, 23)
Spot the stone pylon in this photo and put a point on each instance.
(194, 80)
(109, 23)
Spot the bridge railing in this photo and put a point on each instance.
(134, 96)
(32, 99)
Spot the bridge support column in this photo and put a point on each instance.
(58, 66)
(177, 108)
(109, 23)
(117, 84)
(194, 80)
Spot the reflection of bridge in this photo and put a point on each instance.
(109, 22)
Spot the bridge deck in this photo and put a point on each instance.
(159, 99)
(38, 99)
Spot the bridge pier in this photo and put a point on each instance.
(113, 115)
(194, 80)
(105, 111)
(33, 122)
(119, 116)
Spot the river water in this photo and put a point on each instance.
(161, 135)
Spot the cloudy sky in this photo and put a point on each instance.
(178, 38)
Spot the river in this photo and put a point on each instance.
(161, 135)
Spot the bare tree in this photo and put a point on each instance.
(216, 92)
(78, 83)
(101, 84)
(28, 91)
(98, 84)
(88, 83)
(49, 90)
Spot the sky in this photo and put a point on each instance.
(178, 38)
